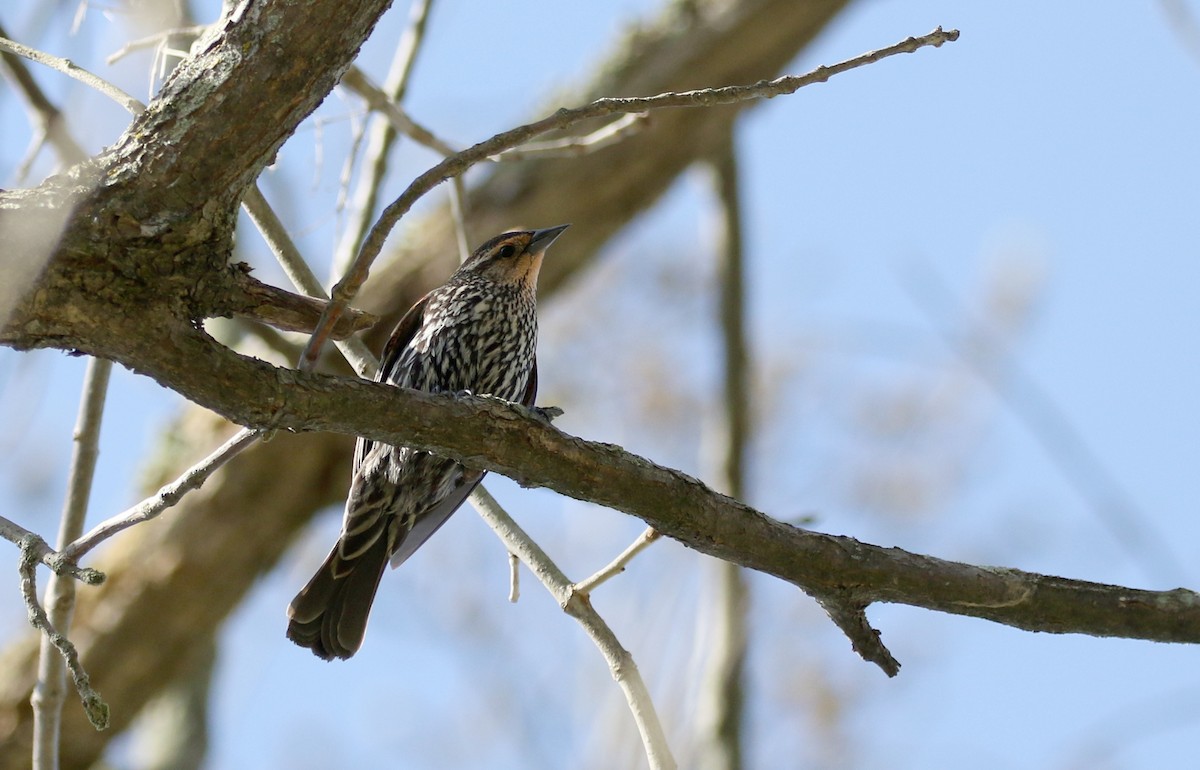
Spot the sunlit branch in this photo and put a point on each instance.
(73, 70)
(574, 146)
(617, 565)
(575, 604)
(166, 497)
(301, 275)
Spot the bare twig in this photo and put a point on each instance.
(93, 705)
(15, 534)
(358, 127)
(382, 137)
(287, 310)
(514, 578)
(851, 617)
(567, 147)
(458, 212)
(574, 146)
(49, 692)
(154, 41)
(297, 269)
(577, 605)
(401, 122)
(41, 551)
(51, 123)
(73, 70)
(359, 270)
(166, 497)
(617, 565)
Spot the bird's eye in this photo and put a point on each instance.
(506, 251)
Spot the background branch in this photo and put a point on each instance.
(49, 693)
(722, 700)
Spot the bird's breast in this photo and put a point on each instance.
(475, 338)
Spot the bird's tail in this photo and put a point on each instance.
(329, 615)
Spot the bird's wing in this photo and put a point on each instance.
(530, 393)
(432, 520)
(405, 330)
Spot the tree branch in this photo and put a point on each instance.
(720, 706)
(358, 271)
(578, 605)
(73, 70)
(505, 438)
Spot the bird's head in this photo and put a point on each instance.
(512, 258)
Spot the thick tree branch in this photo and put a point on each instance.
(262, 302)
(507, 439)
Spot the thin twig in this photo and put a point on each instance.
(617, 565)
(93, 705)
(166, 497)
(575, 604)
(50, 691)
(574, 146)
(382, 137)
(15, 534)
(514, 578)
(73, 70)
(52, 124)
(40, 550)
(301, 275)
(458, 213)
(382, 102)
(359, 270)
(358, 128)
(153, 41)
(567, 147)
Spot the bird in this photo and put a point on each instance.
(475, 333)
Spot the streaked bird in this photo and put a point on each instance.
(476, 333)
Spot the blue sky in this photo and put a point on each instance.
(1048, 145)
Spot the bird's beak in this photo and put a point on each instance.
(542, 239)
